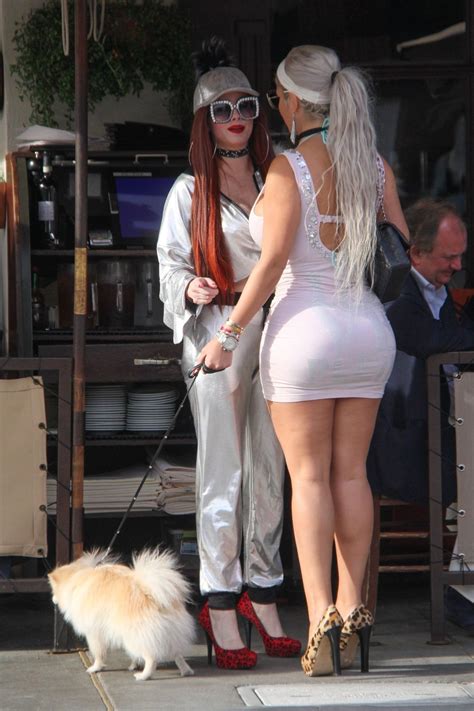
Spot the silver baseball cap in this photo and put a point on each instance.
(219, 81)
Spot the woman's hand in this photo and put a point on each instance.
(214, 356)
(201, 290)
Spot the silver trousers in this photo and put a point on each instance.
(240, 465)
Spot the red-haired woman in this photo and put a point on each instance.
(206, 254)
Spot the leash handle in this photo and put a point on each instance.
(192, 373)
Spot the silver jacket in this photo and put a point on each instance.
(239, 466)
(175, 254)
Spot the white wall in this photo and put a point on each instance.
(148, 108)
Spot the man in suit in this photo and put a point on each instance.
(424, 322)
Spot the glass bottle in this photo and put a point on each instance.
(48, 206)
(38, 306)
(35, 170)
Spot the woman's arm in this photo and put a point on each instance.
(281, 215)
(391, 202)
(181, 290)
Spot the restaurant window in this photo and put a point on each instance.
(421, 131)
(379, 31)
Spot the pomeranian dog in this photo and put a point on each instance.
(141, 609)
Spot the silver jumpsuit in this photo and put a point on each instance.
(240, 466)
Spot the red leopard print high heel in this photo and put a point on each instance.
(274, 646)
(242, 658)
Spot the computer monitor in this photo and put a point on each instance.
(139, 203)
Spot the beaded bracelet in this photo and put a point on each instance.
(234, 327)
(229, 332)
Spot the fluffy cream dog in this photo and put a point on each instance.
(141, 609)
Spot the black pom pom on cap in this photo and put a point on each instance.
(213, 53)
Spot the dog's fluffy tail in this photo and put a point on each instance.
(157, 571)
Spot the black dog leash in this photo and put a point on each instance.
(192, 373)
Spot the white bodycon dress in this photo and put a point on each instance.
(318, 343)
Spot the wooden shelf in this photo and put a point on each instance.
(114, 355)
(94, 252)
(114, 336)
(128, 439)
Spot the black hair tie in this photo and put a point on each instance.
(333, 76)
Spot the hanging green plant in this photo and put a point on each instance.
(142, 43)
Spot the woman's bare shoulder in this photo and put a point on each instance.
(280, 171)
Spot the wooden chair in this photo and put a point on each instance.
(400, 542)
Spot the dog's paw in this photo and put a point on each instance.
(133, 666)
(183, 666)
(141, 676)
(95, 668)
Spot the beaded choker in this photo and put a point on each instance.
(223, 153)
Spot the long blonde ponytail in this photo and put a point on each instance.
(352, 147)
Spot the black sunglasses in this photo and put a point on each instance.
(273, 98)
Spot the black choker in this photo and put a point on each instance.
(222, 153)
(309, 132)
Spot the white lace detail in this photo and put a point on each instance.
(312, 217)
(380, 184)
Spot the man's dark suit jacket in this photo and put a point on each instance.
(398, 459)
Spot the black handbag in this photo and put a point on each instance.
(391, 262)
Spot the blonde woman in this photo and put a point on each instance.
(327, 349)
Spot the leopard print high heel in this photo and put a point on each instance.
(322, 655)
(357, 627)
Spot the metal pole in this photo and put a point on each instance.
(80, 276)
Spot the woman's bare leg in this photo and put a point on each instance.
(304, 430)
(226, 629)
(354, 421)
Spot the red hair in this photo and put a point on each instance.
(211, 257)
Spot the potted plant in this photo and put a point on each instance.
(142, 43)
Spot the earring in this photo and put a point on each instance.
(325, 127)
(293, 131)
(189, 153)
(268, 147)
(267, 137)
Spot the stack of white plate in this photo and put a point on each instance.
(106, 408)
(150, 408)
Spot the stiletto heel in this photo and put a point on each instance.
(242, 658)
(209, 649)
(364, 641)
(334, 635)
(322, 655)
(274, 646)
(357, 627)
(248, 633)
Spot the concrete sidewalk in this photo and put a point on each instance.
(406, 672)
